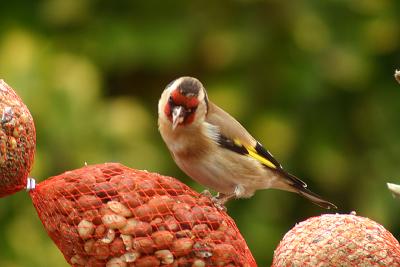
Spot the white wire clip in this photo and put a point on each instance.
(31, 184)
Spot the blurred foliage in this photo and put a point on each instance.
(312, 80)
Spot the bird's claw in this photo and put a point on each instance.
(219, 203)
(218, 200)
(207, 193)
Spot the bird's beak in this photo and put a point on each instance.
(177, 116)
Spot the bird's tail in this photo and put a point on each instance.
(296, 185)
(314, 198)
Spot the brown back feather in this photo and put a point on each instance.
(228, 126)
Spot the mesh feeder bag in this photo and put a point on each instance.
(110, 215)
(17, 141)
(337, 240)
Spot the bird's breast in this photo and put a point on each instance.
(185, 142)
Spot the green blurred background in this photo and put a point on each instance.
(312, 80)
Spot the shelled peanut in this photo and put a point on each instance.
(110, 215)
(17, 141)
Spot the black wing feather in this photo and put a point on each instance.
(299, 185)
(265, 153)
(227, 143)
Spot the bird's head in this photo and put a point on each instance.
(184, 101)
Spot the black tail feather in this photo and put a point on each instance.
(301, 188)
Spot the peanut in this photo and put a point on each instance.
(88, 246)
(85, 184)
(74, 218)
(144, 212)
(78, 260)
(198, 214)
(162, 204)
(157, 224)
(100, 231)
(180, 205)
(117, 247)
(184, 233)
(93, 216)
(88, 202)
(65, 206)
(217, 236)
(119, 208)
(191, 201)
(162, 239)
(171, 186)
(147, 187)
(198, 263)
(165, 256)
(136, 228)
(131, 199)
(93, 262)
(69, 232)
(223, 254)
(182, 261)
(202, 249)
(114, 221)
(143, 245)
(172, 224)
(214, 219)
(185, 217)
(109, 237)
(201, 230)
(116, 262)
(131, 256)
(127, 240)
(147, 261)
(125, 185)
(105, 190)
(100, 250)
(85, 229)
(182, 246)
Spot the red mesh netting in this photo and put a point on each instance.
(338, 240)
(17, 141)
(111, 215)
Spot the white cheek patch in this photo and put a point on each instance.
(201, 95)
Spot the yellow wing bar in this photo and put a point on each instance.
(252, 152)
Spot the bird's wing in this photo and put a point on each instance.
(227, 125)
(233, 136)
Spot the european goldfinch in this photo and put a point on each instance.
(215, 150)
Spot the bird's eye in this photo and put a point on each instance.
(171, 101)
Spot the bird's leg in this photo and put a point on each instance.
(220, 199)
(206, 193)
(223, 198)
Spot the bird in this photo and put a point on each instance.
(215, 150)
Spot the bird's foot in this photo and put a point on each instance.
(219, 203)
(217, 200)
(206, 193)
(220, 199)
